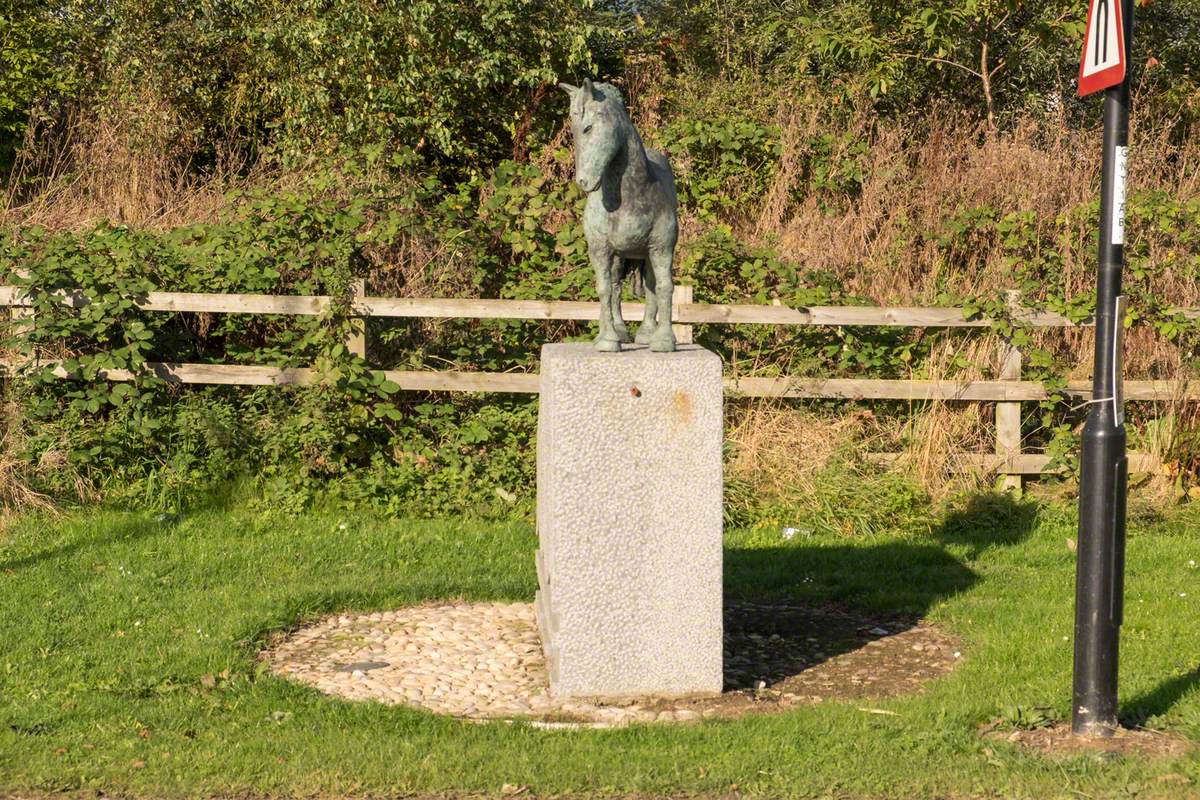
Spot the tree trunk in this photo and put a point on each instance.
(986, 76)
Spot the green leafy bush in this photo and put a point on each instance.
(352, 435)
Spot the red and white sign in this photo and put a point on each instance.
(1103, 61)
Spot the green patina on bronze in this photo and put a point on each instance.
(630, 218)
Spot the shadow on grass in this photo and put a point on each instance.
(1158, 700)
(988, 520)
(819, 601)
(125, 531)
(215, 498)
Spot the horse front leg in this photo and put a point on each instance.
(648, 326)
(620, 329)
(662, 340)
(602, 258)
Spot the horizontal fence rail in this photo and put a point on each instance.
(1008, 393)
(797, 388)
(572, 310)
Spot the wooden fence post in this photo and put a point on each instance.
(1008, 415)
(681, 296)
(356, 339)
(21, 329)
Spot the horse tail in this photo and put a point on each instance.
(636, 269)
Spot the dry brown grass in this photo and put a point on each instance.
(16, 494)
(916, 186)
(913, 185)
(908, 188)
(781, 449)
(19, 476)
(128, 160)
(935, 439)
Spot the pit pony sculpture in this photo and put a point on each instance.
(630, 219)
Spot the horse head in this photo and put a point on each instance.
(598, 123)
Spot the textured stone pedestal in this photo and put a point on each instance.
(629, 521)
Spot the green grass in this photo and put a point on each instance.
(109, 620)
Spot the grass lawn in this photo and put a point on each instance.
(110, 620)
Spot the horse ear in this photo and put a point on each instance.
(588, 91)
(568, 88)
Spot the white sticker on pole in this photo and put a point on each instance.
(1118, 195)
(1118, 359)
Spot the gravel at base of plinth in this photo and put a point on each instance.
(482, 661)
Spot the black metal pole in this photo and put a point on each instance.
(1100, 565)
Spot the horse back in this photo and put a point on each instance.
(661, 169)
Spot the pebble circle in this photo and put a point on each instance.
(483, 661)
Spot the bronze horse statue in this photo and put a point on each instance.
(630, 218)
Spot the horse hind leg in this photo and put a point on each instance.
(663, 338)
(620, 329)
(648, 327)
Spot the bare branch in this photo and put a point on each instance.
(933, 59)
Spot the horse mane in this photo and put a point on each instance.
(609, 92)
(612, 93)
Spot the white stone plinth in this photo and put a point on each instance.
(629, 521)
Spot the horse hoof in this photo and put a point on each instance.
(663, 344)
(608, 345)
(644, 335)
(623, 336)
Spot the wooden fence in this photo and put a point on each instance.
(1008, 392)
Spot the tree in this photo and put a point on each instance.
(990, 54)
(452, 80)
(971, 48)
(32, 67)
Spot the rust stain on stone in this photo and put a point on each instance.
(681, 407)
